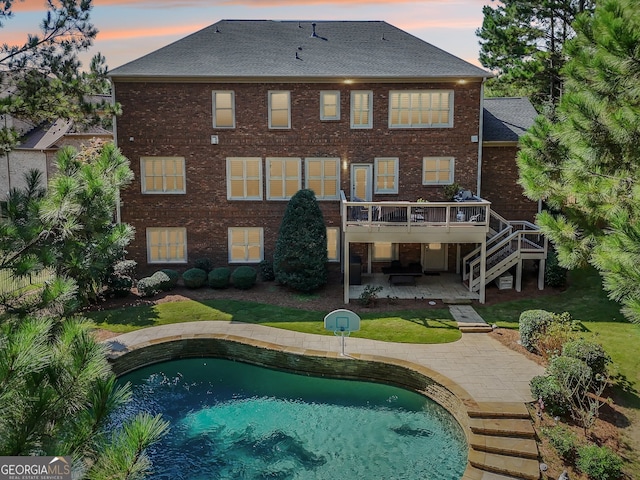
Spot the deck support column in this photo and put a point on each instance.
(541, 273)
(458, 259)
(345, 278)
(519, 276)
(483, 270)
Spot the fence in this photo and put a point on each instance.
(9, 283)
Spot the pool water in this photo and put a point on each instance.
(231, 420)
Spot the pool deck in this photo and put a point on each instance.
(492, 379)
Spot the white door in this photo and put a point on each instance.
(434, 257)
(361, 182)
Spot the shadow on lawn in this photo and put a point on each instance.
(144, 316)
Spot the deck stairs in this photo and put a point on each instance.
(503, 441)
(508, 244)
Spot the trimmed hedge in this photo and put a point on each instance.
(163, 280)
(552, 394)
(148, 286)
(244, 277)
(266, 271)
(533, 323)
(203, 264)
(173, 275)
(554, 274)
(219, 277)
(194, 278)
(120, 286)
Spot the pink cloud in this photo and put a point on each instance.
(149, 32)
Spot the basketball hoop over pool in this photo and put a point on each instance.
(342, 322)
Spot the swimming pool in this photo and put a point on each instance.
(231, 420)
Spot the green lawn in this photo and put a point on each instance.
(407, 326)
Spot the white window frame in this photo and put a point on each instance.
(376, 256)
(323, 96)
(448, 181)
(164, 231)
(270, 95)
(394, 175)
(323, 160)
(336, 246)
(282, 177)
(246, 244)
(354, 112)
(215, 108)
(424, 123)
(143, 176)
(244, 178)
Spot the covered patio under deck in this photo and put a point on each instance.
(443, 286)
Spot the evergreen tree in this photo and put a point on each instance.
(41, 80)
(585, 162)
(521, 41)
(300, 256)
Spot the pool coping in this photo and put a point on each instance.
(158, 347)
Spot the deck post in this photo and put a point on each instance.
(541, 274)
(519, 275)
(483, 269)
(345, 278)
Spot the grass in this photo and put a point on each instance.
(406, 326)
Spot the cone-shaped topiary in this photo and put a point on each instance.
(300, 256)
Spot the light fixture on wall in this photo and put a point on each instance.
(131, 139)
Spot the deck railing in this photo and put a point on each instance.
(415, 214)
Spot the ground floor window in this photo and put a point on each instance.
(246, 244)
(333, 244)
(167, 245)
(385, 251)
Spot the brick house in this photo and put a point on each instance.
(225, 125)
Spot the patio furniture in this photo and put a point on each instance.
(403, 278)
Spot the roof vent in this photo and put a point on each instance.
(217, 30)
(299, 26)
(314, 34)
(383, 39)
(298, 56)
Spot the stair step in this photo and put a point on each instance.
(475, 329)
(499, 410)
(514, 447)
(503, 427)
(496, 476)
(520, 468)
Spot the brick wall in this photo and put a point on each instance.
(500, 184)
(172, 119)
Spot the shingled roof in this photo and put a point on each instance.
(507, 119)
(300, 49)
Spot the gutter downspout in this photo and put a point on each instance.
(480, 128)
(115, 142)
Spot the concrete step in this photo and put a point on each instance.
(515, 467)
(499, 410)
(496, 476)
(503, 427)
(514, 447)
(474, 328)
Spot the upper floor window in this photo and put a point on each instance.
(279, 109)
(420, 109)
(322, 175)
(330, 105)
(162, 174)
(224, 115)
(283, 178)
(167, 245)
(244, 178)
(386, 175)
(361, 109)
(245, 245)
(437, 170)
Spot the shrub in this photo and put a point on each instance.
(194, 278)
(163, 280)
(173, 275)
(120, 286)
(571, 373)
(533, 323)
(554, 274)
(244, 277)
(550, 342)
(219, 277)
(589, 352)
(148, 286)
(300, 257)
(369, 295)
(266, 271)
(552, 394)
(563, 440)
(203, 264)
(599, 463)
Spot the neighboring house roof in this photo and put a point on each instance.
(275, 49)
(507, 119)
(47, 136)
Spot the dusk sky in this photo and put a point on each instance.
(132, 28)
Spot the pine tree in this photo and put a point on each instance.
(585, 162)
(300, 256)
